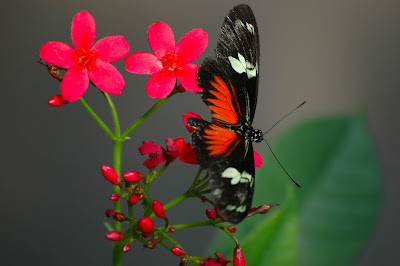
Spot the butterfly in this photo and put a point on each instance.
(230, 87)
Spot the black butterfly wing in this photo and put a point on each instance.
(238, 53)
(230, 85)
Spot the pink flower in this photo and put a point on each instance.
(188, 154)
(258, 160)
(88, 60)
(158, 154)
(217, 261)
(169, 62)
(186, 116)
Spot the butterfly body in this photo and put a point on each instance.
(230, 87)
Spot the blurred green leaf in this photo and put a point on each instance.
(330, 219)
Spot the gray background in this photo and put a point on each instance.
(339, 55)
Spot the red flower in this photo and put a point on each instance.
(169, 62)
(56, 101)
(186, 116)
(158, 154)
(110, 174)
(188, 155)
(158, 209)
(146, 225)
(218, 261)
(86, 61)
(258, 160)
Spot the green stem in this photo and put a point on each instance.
(97, 118)
(117, 245)
(195, 224)
(147, 114)
(115, 116)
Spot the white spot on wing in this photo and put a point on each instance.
(240, 65)
(237, 177)
(250, 27)
(241, 209)
(230, 207)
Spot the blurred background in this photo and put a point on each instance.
(338, 55)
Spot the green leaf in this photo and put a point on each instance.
(329, 220)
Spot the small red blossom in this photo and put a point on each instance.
(110, 174)
(158, 209)
(264, 208)
(188, 155)
(110, 213)
(56, 101)
(119, 217)
(211, 214)
(151, 244)
(126, 247)
(177, 251)
(238, 257)
(171, 229)
(158, 154)
(169, 62)
(132, 176)
(115, 197)
(140, 196)
(115, 235)
(146, 225)
(87, 61)
(217, 261)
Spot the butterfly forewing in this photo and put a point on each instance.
(230, 85)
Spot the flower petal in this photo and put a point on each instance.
(187, 76)
(185, 117)
(106, 77)
(188, 154)
(83, 31)
(161, 39)
(258, 160)
(154, 160)
(111, 49)
(149, 147)
(74, 83)
(59, 54)
(172, 150)
(143, 63)
(160, 84)
(191, 45)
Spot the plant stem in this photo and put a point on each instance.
(97, 118)
(147, 114)
(195, 224)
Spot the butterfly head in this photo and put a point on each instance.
(256, 135)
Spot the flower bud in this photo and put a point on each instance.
(126, 247)
(56, 101)
(133, 199)
(151, 243)
(264, 208)
(115, 197)
(110, 174)
(54, 72)
(158, 209)
(115, 235)
(171, 229)
(146, 225)
(211, 214)
(140, 196)
(119, 217)
(132, 176)
(232, 229)
(110, 213)
(238, 257)
(177, 251)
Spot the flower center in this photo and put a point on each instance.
(169, 61)
(87, 58)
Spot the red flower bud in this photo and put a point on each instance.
(56, 101)
(110, 174)
(238, 257)
(126, 247)
(177, 251)
(171, 229)
(140, 196)
(110, 213)
(264, 208)
(158, 209)
(132, 176)
(119, 217)
(211, 214)
(133, 199)
(151, 244)
(115, 235)
(146, 225)
(181, 89)
(252, 209)
(54, 72)
(231, 229)
(115, 197)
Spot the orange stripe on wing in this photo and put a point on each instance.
(218, 140)
(222, 106)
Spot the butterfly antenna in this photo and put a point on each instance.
(280, 162)
(284, 117)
